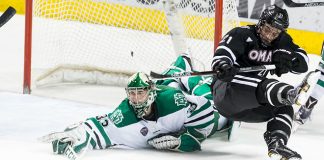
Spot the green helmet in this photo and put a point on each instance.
(140, 93)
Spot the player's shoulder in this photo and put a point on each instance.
(167, 93)
(123, 115)
(164, 90)
(284, 41)
(169, 100)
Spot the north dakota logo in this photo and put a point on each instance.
(180, 100)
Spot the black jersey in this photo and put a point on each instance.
(243, 48)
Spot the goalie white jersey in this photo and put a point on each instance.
(174, 113)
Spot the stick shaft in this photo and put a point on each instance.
(6, 16)
(206, 73)
(291, 3)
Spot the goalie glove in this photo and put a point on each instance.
(64, 146)
(183, 143)
(74, 136)
(60, 145)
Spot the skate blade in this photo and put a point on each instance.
(279, 157)
(274, 156)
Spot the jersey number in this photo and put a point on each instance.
(227, 39)
(103, 120)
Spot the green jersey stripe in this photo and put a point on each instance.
(202, 125)
(93, 143)
(321, 83)
(206, 106)
(102, 131)
(79, 147)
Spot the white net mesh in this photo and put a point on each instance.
(122, 36)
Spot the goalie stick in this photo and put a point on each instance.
(290, 3)
(6, 16)
(205, 73)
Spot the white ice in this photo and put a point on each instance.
(24, 118)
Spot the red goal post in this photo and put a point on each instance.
(93, 41)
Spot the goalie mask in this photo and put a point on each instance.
(140, 93)
(273, 21)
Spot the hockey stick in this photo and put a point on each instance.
(321, 64)
(6, 16)
(322, 53)
(290, 3)
(205, 73)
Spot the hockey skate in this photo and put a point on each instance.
(277, 150)
(302, 115)
(301, 93)
(305, 111)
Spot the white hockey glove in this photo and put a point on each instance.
(60, 145)
(74, 138)
(184, 143)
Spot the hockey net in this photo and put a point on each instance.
(104, 41)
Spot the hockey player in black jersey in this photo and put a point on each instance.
(251, 97)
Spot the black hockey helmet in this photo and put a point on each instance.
(275, 16)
